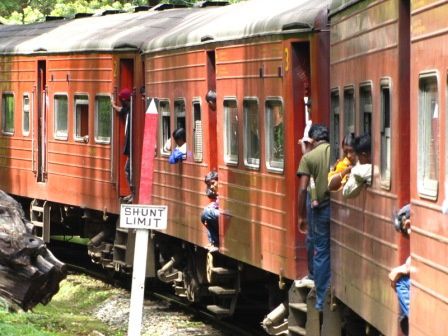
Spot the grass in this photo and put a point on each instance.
(69, 313)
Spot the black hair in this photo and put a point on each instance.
(348, 140)
(318, 132)
(362, 144)
(179, 134)
(210, 97)
(212, 175)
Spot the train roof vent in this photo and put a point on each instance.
(203, 4)
(53, 18)
(163, 6)
(110, 12)
(207, 38)
(141, 8)
(296, 25)
(82, 15)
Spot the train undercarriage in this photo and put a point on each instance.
(223, 285)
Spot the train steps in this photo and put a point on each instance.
(122, 250)
(224, 286)
(303, 319)
(40, 218)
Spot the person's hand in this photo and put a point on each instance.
(346, 171)
(303, 225)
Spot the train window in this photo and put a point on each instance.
(165, 127)
(428, 136)
(8, 113)
(82, 118)
(60, 117)
(334, 125)
(197, 131)
(275, 132)
(230, 131)
(385, 152)
(103, 119)
(251, 133)
(365, 108)
(349, 110)
(179, 113)
(26, 114)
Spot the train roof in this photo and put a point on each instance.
(96, 33)
(243, 20)
(163, 30)
(340, 5)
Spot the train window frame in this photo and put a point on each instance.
(427, 187)
(60, 134)
(164, 137)
(274, 166)
(198, 130)
(346, 129)
(335, 131)
(100, 139)
(385, 133)
(362, 87)
(180, 114)
(251, 162)
(76, 102)
(24, 131)
(231, 133)
(5, 130)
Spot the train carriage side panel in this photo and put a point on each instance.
(429, 174)
(366, 87)
(17, 78)
(179, 82)
(255, 76)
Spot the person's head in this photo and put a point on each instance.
(362, 146)
(347, 147)
(211, 180)
(210, 98)
(179, 136)
(277, 114)
(402, 220)
(124, 95)
(318, 133)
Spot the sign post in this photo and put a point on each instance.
(143, 218)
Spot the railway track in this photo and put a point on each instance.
(160, 291)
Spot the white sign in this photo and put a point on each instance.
(139, 216)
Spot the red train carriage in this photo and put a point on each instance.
(429, 172)
(369, 94)
(271, 56)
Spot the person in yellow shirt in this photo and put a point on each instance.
(339, 173)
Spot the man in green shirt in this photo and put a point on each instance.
(316, 164)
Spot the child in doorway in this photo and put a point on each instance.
(210, 214)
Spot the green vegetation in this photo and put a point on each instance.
(29, 11)
(69, 313)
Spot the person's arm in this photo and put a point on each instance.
(303, 185)
(397, 272)
(359, 175)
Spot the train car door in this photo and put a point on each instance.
(126, 80)
(211, 83)
(41, 121)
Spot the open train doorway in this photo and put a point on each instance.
(41, 120)
(211, 86)
(126, 81)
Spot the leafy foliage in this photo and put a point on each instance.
(28, 11)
